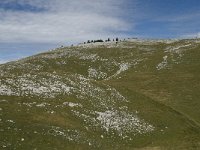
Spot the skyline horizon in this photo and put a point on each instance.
(38, 51)
(37, 25)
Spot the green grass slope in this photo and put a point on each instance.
(136, 94)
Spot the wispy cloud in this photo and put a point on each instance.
(168, 19)
(191, 35)
(61, 20)
(3, 61)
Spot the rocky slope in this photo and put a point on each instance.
(133, 94)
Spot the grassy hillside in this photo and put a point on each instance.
(136, 94)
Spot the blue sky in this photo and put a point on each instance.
(31, 26)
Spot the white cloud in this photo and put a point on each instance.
(3, 61)
(62, 21)
(191, 35)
